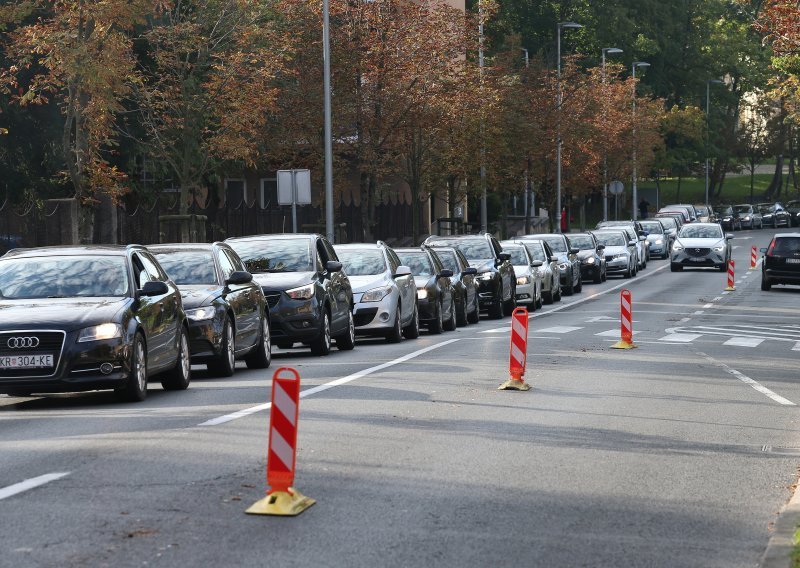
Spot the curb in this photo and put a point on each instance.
(781, 543)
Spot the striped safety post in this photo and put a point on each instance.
(518, 353)
(753, 258)
(731, 267)
(282, 498)
(626, 321)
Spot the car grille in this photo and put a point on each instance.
(364, 317)
(609, 258)
(50, 343)
(697, 252)
(273, 298)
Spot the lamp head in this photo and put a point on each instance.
(641, 64)
(571, 25)
(609, 50)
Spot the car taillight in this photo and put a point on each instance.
(771, 246)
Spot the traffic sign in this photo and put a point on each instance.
(616, 187)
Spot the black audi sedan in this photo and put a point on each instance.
(497, 283)
(227, 312)
(309, 296)
(435, 297)
(90, 318)
(468, 310)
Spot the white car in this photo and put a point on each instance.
(701, 245)
(529, 279)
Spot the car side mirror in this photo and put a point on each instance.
(642, 233)
(402, 271)
(600, 248)
(537, 263)
(504, 256)
(574, 250)
(154, 288)
(239, 277)
(446, 273)
(554, 258)
(470, 270)
(333, 266)
(631, 243)
(764, 250)
(728, 236)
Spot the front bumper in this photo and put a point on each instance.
(487, 292)
(613, 266)
(526, 292)
(293, 320)
(701, 259)
(205, 339)
(375, 318)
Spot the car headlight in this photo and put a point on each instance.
(621, 255)
(589, 260)
(522, 280)
(302, 293)
(677, 246)
(659, 241)
(100, 332)
(563, 265)
(719, 249)
(200, 314)
(485, 275)
(376, 294)
(422, 294)
(747, 218)
(727, 219)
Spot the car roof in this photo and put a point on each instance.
(353, 246)
(73, 250)
(188, 246)
(782, 235)
(275, 236)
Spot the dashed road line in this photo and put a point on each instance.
(748, 381)
(558, 329)
(29, 484)
(680, 337)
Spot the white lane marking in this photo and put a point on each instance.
(796, 346)
(745, 341)
(329, 385)
(748, 381)
(717, 299)
(610, 333)
(698, 313)
(558, 329)
(684, 320)
(28, 484)
(680, 337)
(495, 330)
(725, 293)
(708, 306)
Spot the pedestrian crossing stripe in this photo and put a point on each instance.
(680, 337)
(558, 329)
(745, 341)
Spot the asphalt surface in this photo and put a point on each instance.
(678, 453)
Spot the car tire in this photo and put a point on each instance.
(225, 363)
(579, 286)
(461, 316)
(511, 304)
(395, 335)
(598, 277)
(766, 285)
(179, 377)
(135, 387)
(261, 356)
(570, 288)
(673, 267)
(437, 325)
(547, 297)
(284, 344)
(475, 315)
(496, 308)
(322, 343)
(347, 340)
(557, 296)
(450, 322)
(411, 331)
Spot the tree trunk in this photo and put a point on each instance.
(366, 224)
(777, 178)
(678, 193)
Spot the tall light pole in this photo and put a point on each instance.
(565, 25)
(606, 51)
(484, 213)
(634, 196)
(708, 106)
(326, 60)
(527, 202)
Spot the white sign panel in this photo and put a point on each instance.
(294, 186)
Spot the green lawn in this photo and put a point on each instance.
(736, 189)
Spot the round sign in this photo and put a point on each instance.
(615, 187)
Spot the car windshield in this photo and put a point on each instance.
(722, 210)
(418, 262)
(449, 261)
(188, 267)
(518, 257)
(742, 209)
(701, 210)
(611, 239)
(793, 206)
(557, 244)
(784, 245)
(668, 222)
(275, 255)
(536, 250)
(63, 277)
(701, 232)
(583, 242)
(654, 228)
(764, 208)
(362, 262)
(473, 249)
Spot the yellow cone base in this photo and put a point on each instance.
(623, 345)
(730, 289)
(514, 385)
(281, 503)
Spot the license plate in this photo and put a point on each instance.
(698, 259)
(793, 260)
(26, 361)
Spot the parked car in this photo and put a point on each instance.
(781, 261)
(465, 285)
(670, 227)
(309, 296)
(496, 281)
(551, 273)
(749, 217)
(591, 255)
(437, 308)
(79, 318)
(635, 233)
(384, 292)
(658, 238)
(529, 280)
(793, 207)
(676, 216)
(705, 214)
(726, 217)
(693, 213)
(569, 266)
(774, 215)
(686, 217)
(699, 245)
(620, 251)
(227, 312)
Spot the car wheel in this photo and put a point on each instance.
(135, 388)
(598, 277)
(675, 267)
(496, 309)
(538, 302)
(395, 335)
(461, 316)
(347, 340)
(437, 324)
(450, 323)
(511, 304)
(475, 315)
(557, 293)
(547, 297)
(225, 363)
(411, 331)
(261, 356)
(180, 375)
(322, 343)
(579, 286)
(628, 273)
(569, 290)
(766, 285)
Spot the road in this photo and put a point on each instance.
(678, 453)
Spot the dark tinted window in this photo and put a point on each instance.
(278, 255)
(448, 259)
(187, 267)
(63, 277)
(518, 257)
(701, 232)
(784, 245)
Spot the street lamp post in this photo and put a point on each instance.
(566, 25)
(484, 213)
(326, 59)
(708, 106)
(634, 196)
(604, 52)
(527, 202)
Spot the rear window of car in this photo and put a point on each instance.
(784, 245)
(362, 262)
(418, 262)
(188, 267)
(651, 227)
